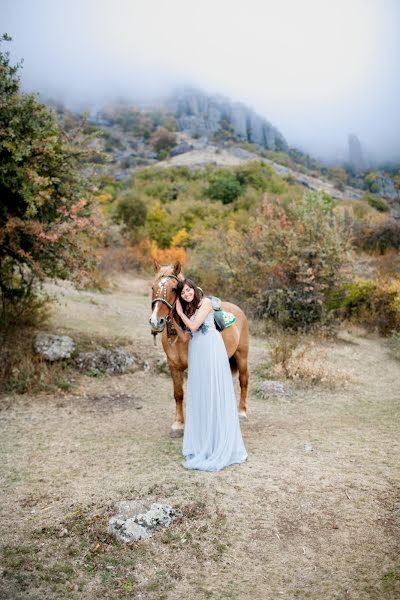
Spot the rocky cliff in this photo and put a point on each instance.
(201, 115)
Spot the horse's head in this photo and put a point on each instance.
(163, 294)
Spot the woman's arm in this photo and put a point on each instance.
(205, 308)
(182, 334)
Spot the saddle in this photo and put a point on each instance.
(222, 318)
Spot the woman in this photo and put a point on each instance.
(212, 438)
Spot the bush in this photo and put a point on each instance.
(131, 211)
(375, 304)
(163, 140)
(377, 237)
(294, 308)
(159, 225)
(224, 187)
(254, 174)
(377, 203)
(166, 256)
(371, 182)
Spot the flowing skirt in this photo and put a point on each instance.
(212, 438)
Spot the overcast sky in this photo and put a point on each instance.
(317, 69)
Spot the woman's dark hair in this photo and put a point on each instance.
(189, 308)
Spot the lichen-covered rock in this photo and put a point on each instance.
(106, 361)
(158, 515)
(127, 531)
(269, 388)
(135, 520)
(54, 347)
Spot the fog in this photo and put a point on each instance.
(317, 69)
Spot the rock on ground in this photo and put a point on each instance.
(135, 521)
(54, 347)
(106, 361)
(269, 387)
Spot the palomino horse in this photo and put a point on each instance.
(236, 339)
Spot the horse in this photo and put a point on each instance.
(236, 339)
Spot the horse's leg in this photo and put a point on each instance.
(178, 425)
(242, 363)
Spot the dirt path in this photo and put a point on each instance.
(314, 513)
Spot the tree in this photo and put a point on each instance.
(45, 210)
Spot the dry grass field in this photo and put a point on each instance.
(314, 513)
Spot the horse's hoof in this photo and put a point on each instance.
(176, 431)
(242, 414)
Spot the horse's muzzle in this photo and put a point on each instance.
(160, 326)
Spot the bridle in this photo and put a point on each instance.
(164, 292)
(162, 298)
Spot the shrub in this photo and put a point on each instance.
(167, 256)
(377, 237)
(377, 203)
(224, 187)
(131, 211)
(371, 182)
(294, 307)
(254, 174)
(163, 140)
(159, 225)
(375, 304)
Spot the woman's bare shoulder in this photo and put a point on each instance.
(205, 302)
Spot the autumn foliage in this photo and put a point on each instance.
(45, 212)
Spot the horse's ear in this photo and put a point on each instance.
(156, 265)
(177, 267)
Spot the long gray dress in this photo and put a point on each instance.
(212, 438)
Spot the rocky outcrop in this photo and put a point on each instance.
(356, 157)
(200, 115)
(385, 187)
(181, 148)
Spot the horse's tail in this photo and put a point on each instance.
(233, 364)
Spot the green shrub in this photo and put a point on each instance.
(294, 307)
(254, 174)
(375, 304)
(159, 225)
(224, 187)
(130, 210)
(377, 203)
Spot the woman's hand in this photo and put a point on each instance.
(178, 307)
